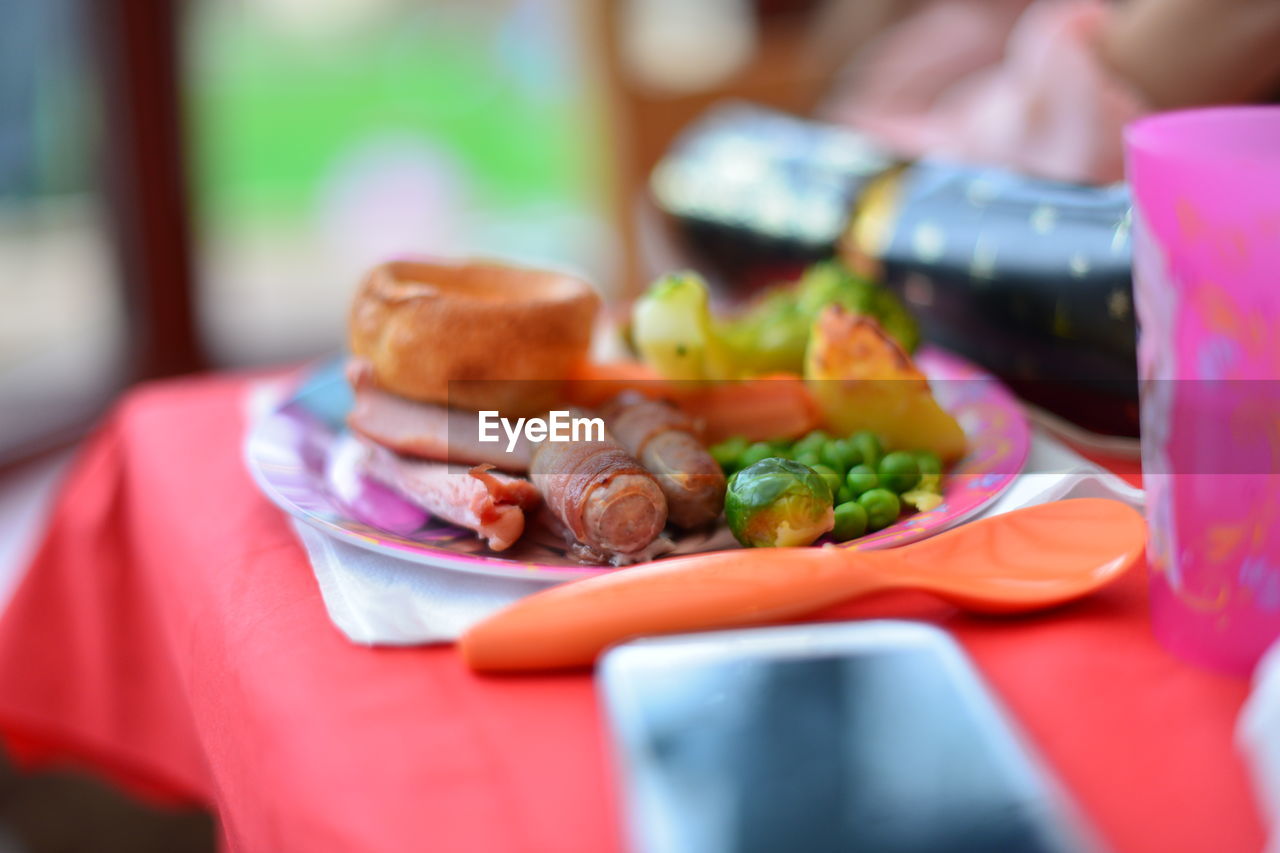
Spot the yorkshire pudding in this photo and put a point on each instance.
(472, 335)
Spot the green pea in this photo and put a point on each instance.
(855, 454)
(851, 521)
(869, 447)
(929, 462)
(861, 478)
(783, 449)
(809, 458)
(728, 451)
(899, 471)
(882, 506)
(840, 454)
(832, 477)
(755, 453)
(813, 441)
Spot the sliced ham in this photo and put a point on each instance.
(477, 498)
(426, 430)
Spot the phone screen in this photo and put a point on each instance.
(890, 745)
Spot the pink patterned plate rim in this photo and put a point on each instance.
(298, 455)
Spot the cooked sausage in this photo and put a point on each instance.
(665, 441)
(601, 493)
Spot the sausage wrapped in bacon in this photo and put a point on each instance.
(603, 496)
(665, 442)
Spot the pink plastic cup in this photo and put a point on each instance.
(1206, 188)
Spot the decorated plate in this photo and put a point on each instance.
(303, 459)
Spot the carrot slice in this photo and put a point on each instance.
(759, 409)
(595, 383)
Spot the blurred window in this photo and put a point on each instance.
(61, 317)
(327, 137)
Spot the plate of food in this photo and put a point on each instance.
(468, 429)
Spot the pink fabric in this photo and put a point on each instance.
(947, 83)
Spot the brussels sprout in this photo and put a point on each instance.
(851, 521)
(899, 472)
(778, 503)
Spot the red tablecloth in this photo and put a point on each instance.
(170, 633)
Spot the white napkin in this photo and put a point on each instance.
(1258, 738)
(379, 600)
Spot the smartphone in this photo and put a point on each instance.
(863, 736)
